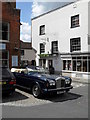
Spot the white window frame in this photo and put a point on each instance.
(2, 46)
(75, 21)
(6, 40)
(42, 30)
(15, 60)
(75, 44)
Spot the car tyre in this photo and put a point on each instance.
(36, 91)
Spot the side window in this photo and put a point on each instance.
(75, 21)
(42, 30)
(4, 31)
(75, 44)
(42, 48)
(15, 61)
(54, 47)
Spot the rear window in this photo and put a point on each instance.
(6, 73)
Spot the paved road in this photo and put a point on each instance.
(71, 105)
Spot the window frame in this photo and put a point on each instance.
(15, 62)
(75, 21)
(7, 32)
(4, 58)
(54, 48)
(84, 64)
(2, 46)
(42, 50)
(75, 45)
(40, 30)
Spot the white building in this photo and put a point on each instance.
(61, 38)
(28, 54)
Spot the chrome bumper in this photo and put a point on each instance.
(58, 89)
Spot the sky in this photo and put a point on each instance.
(32, 9)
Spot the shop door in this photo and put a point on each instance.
(50, 63)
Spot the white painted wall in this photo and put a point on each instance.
(89, 22)
(57, 27)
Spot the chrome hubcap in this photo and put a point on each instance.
(36, 91)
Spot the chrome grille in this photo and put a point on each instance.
(60, 83)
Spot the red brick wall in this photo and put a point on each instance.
(12, 16)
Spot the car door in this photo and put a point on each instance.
(28, 81)
(19, 79)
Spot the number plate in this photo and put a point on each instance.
(60, 92)
(2, 83)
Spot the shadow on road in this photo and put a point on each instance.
(57, 97)
(14, 97)
(62, 98)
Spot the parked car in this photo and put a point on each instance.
(40, 83)
(7, 81)
(37, 68)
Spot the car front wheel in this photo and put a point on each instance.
(36, 91)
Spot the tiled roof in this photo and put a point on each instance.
(27, 45)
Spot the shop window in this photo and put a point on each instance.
(88, 39)
(79, 64)
(67, 65)
(84, 64)
(88, 64)
(64, 64)
(74, 65)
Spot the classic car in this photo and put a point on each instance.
(40, 83)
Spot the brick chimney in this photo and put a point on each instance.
(13, 4)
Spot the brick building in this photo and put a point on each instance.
(10, 35)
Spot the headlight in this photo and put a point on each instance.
(51, 82)
(67, 81)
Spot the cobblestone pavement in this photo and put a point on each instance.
(23, 99)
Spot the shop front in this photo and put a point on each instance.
(77, 66)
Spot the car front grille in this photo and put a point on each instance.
(60, 83)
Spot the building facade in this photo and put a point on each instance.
(62, 39)
(10, 35)
(28, 54)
